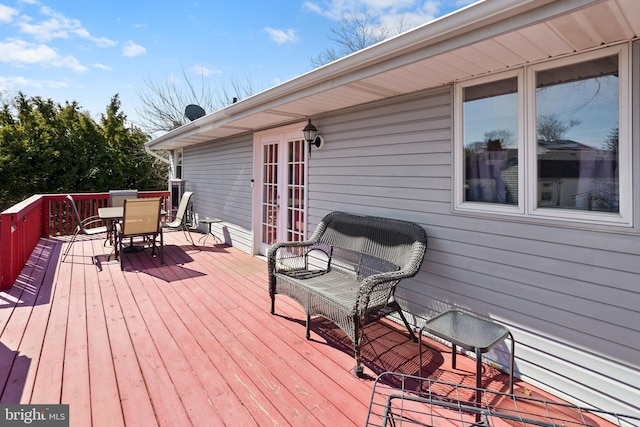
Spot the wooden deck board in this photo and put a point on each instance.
(105, 408)
(252, 365)
(47, 381)
(204, 353)
(23, 321)
(166, 402)
(75, 381)
(135, 405)
(188, 343)
(176, 348)
(20, 385)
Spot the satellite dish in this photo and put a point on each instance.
(193, 112)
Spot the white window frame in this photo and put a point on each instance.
(527, 144)
(176, 159)
(459, 166)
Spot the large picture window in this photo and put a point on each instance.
(549, 140)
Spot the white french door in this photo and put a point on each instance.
(283, 188)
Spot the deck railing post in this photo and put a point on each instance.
(20, 232)
(6, 249)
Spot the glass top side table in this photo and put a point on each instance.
(209, 221)
(472, 333)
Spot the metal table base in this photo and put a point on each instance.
(208, 221)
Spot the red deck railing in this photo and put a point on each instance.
(44, 215)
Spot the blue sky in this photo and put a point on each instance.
(88, 51)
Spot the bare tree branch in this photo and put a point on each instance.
(356, 32)
(163, 103)
(240, 88)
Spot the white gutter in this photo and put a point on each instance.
(481, 16)
(156, 155)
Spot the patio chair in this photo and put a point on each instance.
(141, 218)
(117, 197)
(179, 222)
(83, 226)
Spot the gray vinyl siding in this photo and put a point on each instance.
(220, 176)
(569, 294)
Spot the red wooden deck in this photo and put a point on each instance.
(188, 343)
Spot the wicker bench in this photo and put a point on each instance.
(348, 270)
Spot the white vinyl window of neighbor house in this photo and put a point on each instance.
(549, 140)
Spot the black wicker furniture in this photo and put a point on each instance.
(348, 270)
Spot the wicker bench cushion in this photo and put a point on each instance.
(330, 285)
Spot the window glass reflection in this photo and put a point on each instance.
(490, 132)
(577, 136)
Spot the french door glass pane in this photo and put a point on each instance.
(295, 191)
(270, 197)
(577, 136)
(490, 129)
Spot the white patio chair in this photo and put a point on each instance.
(179, 222)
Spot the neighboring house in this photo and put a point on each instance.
(541, 236)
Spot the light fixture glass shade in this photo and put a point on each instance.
(310, 132)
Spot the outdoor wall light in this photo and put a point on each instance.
(311, 136)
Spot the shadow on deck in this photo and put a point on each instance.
(190, 342)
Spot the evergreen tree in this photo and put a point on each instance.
(46, 147)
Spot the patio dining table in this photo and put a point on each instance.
(114, 214)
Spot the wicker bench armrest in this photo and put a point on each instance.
(273, 249)
(378, 287)
(377, 280)
(283, 255)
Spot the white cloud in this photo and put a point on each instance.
(132, 49)
(12, 84)
(336, 9)
(22, 52)
(102, 67)
(390, 12)
(7, 13)
(103, 41)
(69, 62)
(386, 4)
(313, 7)
(58, 26)
(281, 36)
(427, 12)
(203, 70)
